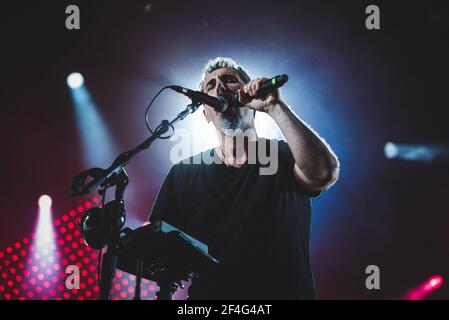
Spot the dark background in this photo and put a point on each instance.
(357, 88)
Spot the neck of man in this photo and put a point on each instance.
(233, 150)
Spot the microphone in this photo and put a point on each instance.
(222, 102)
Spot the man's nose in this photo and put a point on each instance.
(221, 88)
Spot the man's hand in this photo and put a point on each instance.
(264, 104)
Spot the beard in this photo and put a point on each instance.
(230, 121)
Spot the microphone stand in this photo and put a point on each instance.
(116, 176)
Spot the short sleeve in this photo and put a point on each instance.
(168, 205)
(288, 160)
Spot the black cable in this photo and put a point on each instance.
(148, 110)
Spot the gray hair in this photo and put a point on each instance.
(223, 62)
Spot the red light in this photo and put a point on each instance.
(87, 204)
(21, 265)
(66, 249)
(117, 286)
(60, 242)
(65, 218)
(17, 245)
(18, 278)
(71, 225)
(88, 293)
(125, 282)
(8, 296)
(54, 279)
(15, 257)
(74, 245)
(1, 254)
(80, 298)
(86, 260)
(72, 257)
(80, 209)
(9, 249)
(38, 289)
(57, 222)
(26, 273)
(130, 289)
(84, 273)
(12, 270)
(40, 276)
(76, 233)
(6, 262)
(92, 268)
(46, 284)
(90, 281)
(32, 281)
(23, 253)
(123, 295)
(10, 283)
(34, 268)
(96, 200)
(96, 288)
(24, 286)
(82, 285)
(26, 240)
(28, 260)
(66, 295)
(4, 275)
(44, 297)
(72, 213)
(69, 237)
(63, 229)
(15, 291)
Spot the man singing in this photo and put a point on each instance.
(257, 225)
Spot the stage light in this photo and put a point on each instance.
(45, 202)
(75, 80)
(390, 150)
(415, 152)
(98, 149)
(422, 291)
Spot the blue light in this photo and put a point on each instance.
(390, 150)
(75, 80)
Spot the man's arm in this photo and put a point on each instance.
(316, 167)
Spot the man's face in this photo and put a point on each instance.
(221, 81)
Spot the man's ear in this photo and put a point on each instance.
(204, 113)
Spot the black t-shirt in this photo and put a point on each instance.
(257, 226)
